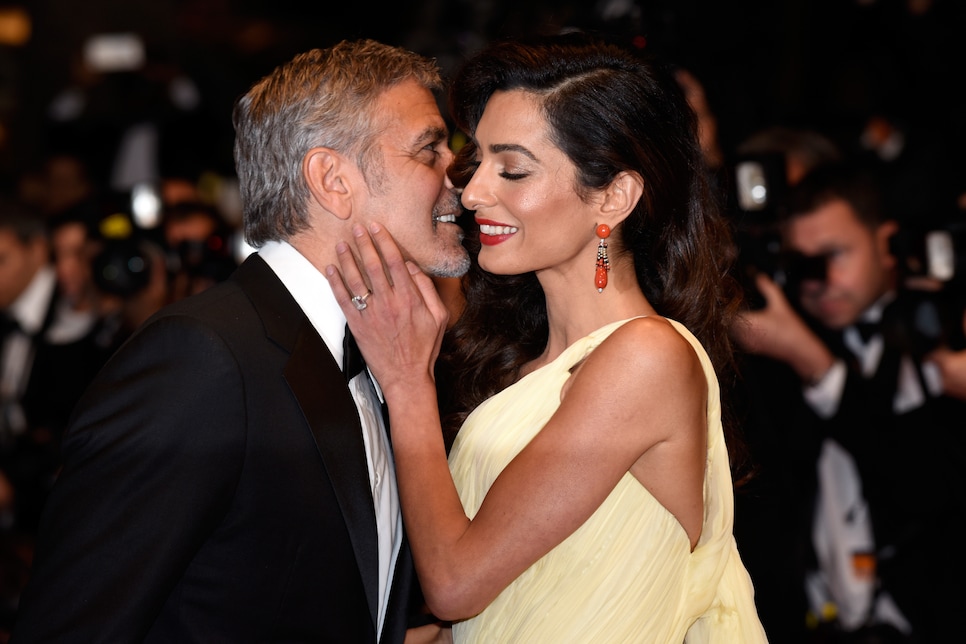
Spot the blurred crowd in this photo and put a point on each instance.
(124, 213)
(851, 231)
(81, 266)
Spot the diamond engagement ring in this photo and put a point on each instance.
(360, 300)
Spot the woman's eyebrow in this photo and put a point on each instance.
(512, 147)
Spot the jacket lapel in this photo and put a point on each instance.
(319, 387)
(405, 595)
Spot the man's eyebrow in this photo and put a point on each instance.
(512, 147)
(432, 134)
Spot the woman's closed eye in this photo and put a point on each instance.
(513, 176)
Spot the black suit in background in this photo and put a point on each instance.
(215, 488)
(913, 478)
(913, 474)
(60, 360)
(773, 507)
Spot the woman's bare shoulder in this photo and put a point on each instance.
(643, 362)
(650, 343)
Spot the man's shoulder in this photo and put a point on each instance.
(226, 299)
(213, 301)
(252, 303)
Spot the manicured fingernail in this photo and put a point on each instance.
(330, 270)
(341, 247)
(413, 269)
(374, 227)
(358, 231)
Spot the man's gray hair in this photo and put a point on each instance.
(320, 98)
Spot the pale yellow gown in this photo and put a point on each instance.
(627, 574)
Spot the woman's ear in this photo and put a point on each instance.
(329, 179)
(621, 197)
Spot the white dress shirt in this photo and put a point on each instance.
(17, 352)
(312, 293)
(825, 395)
(842, 525)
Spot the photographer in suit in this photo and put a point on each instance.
(888, 493)
(227, 477)
(48, 356)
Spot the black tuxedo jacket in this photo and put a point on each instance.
(215, 488)
(911, 467)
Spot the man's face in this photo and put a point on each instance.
(19, 262)
(72, 260)
(409, 191)
(859, 264)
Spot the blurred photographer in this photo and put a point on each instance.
(774, 507)
(952, 369)
(199, 245)
(885, 487)
(47, 356)
(130, 276)
(768, 163)
(951, 360)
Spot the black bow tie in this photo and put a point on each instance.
(352, 361)
(353, 364)
(867, 330)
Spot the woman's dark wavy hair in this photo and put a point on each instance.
(610, 110)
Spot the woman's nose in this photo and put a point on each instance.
(474, 193)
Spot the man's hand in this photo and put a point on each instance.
(778, 332)
(952, 368)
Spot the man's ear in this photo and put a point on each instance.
(621, 197)
(883, 239)
(328, 175)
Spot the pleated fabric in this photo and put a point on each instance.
(627, 574)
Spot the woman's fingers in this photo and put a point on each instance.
(399, 324)
(388, 249)
(362, 274)
(377, 273)
(355, 277)
(429, 294)
(383, 265)
(344, 277)
(372, 260)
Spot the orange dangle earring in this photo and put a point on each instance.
(603, 264)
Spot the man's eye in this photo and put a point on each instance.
(512, 176)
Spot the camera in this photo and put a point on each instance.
(759, 183)
(932, 265)
(758, 187)
(122, 267)
(937, 254)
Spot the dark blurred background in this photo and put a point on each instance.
(109, 97)
(825, 62)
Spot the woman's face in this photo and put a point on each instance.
(524, 194)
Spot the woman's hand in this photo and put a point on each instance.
(398, 320)
(399, 326)
(430, 634)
